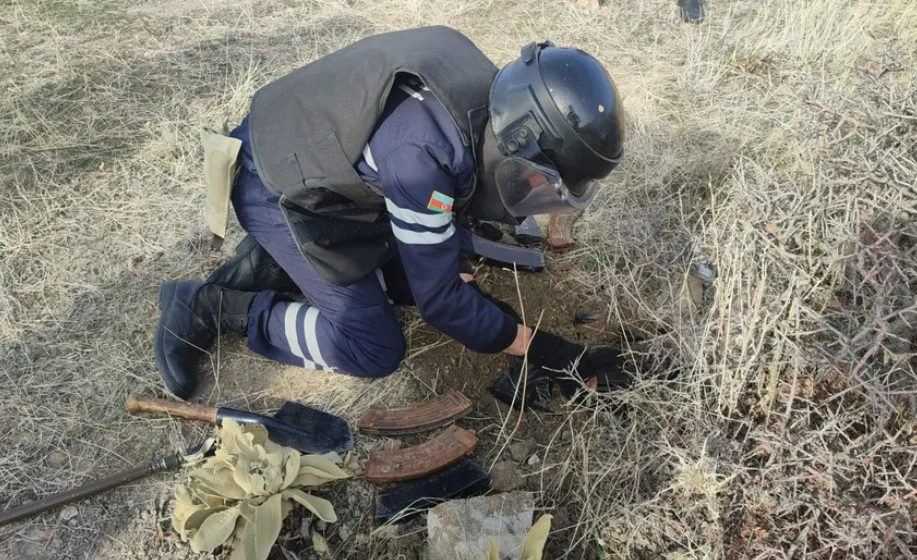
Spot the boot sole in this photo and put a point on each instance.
(166, 297)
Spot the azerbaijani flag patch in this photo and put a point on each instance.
(440, 202)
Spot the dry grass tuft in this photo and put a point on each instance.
(774, 143)
(789, 430)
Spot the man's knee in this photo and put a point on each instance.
(380, 360)
(371, 343)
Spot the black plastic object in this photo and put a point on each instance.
(583, 317)
(491, 231)
(692, 11)
(465, 478)
(538, 386)
(508, 255)
(528, 233)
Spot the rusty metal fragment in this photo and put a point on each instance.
(560, 229)
(410, 463)
(420, 417)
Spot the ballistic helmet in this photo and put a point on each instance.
(557, 121)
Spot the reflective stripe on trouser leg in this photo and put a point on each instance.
(285, 331)
(310, 330)
(292, 318)
(300, 326)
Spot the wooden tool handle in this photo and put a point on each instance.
(188, 411)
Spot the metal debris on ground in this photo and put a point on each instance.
(528, 233)
(410, 463)
(560, 229)
(166, 462)
(465, 478)
(416, 418)
(523, 258)
(583, 317)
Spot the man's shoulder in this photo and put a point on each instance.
(415, 117)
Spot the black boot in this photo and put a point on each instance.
(252, 269)
(193, 314)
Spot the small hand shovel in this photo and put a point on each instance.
(294, 425)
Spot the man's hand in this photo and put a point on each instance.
(553, 352)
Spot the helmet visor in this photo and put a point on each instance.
(528, 188)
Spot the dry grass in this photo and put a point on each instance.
(775, 142)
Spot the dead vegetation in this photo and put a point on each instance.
(774, 143)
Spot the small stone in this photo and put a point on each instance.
(69, 513)
(533, 460)
(162, 504)
(344, 532)
(705, 273)
(464, 529)
(520, 450)
(566, 436)
(304, 526)
(320, 525)
(695, 289)
(505, 477)
(352, 464)
(57, 459)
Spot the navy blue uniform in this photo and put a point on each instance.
(417, 158)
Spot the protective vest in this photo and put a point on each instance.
(309, 128)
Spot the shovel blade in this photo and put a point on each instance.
(300, 427)
(322, 428)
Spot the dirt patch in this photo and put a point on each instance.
(535, 452)
(547, 297)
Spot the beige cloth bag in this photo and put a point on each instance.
(221, 153)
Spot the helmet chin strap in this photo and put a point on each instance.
(486, 203)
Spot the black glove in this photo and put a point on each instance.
(538, 385)
(553, 352)
(598, 368)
